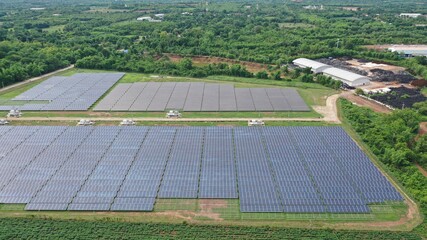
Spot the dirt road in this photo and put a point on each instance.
(35, 78)
(365, 103)
(116, 119)
(329, 112)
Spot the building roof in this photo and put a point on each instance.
(344, 74)
(309, 63)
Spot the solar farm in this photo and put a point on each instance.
(76, 93)
(262, 169)
(199, 96)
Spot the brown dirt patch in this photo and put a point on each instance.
(365, 103)
(423, 128)
(206, 206)
(329, 112)
(368, 66)
(421, 169)
(205, 60)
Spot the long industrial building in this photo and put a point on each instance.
(347, 77)
(316, 67)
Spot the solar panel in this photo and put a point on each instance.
(178, 96)
(76, 93)
(269, 169)
(210, 100)
(145, 97)
(244, 99)
(161, 99)
(194, 98)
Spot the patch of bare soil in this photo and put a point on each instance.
(205, 60)
(423, 128)
(329, 112)
(368, 66)
(365, 103)
(421, 169)
(207, 207)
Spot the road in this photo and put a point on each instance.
(147, 119)
(359, 101)
(35, 78)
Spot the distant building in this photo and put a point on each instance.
(410, 50)
(159, 15)
(347, 77)
(316, 67)
(410, 15)
(37, 9)
(313, 7)
(354, 9)
(144, 19)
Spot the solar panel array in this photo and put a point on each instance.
(270, 169)
(198, 96)
(76, 93)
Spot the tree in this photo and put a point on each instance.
(277, 75)
(262, 75)
(359, 91)
(185, 64)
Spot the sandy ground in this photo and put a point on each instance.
(368, 66)
(329, 112)
(359, 101)
(35, 79)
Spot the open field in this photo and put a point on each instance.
(205, 60)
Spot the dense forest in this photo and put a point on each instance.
(106, 35)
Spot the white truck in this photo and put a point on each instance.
(14, 113)
(85, 122)
(256, 122)
(128, 122)
(173, 114)
(3, 122)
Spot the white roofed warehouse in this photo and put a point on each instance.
(347, 77)
(316, 67)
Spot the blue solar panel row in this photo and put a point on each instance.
(294, 179)
(76, 93)
(181, 177)
(218, 173)
(276, 169)
(257, 187)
